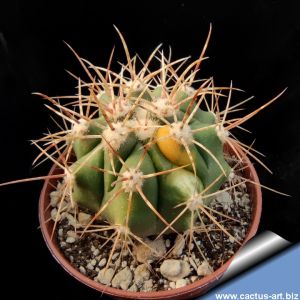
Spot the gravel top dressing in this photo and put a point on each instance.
(169, 262)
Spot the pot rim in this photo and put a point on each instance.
(187, 291)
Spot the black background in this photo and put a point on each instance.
(254, 43)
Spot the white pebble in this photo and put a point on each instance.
(102, 262)
(55, 215)
(84, 218)
(93, 262)
(204, 269)
(82, 270)
(174, 269)
(105, 276)
(133, 288)
(172, 285)
(122, 279)
(63, 244)
(141, 273)
(70, 240)
(96, 252)
(168, 243)
(147, 286)
(115, 256)
(180, 283)
(90, 266)
(60, 232)
(72, 233)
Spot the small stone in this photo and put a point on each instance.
(60, 232)
(178, 245)
(225, 199)
(174, 269)
(155, 249)
(133, 288)
(70, 240)
(72, 233)
(105, 276)
(147, 286)
(54, 197)
(115, 256)
(55, 216)
(180, 283)
(93, 248)
(90, 266)
(168, 243)
(84, 218)
(63, 244)
(191, 246)
(102, 262)
(124, 264)
(96, 252)
(204, 269)
(71, 220)
(172, 285)
(117, 262)
(82, 270)
(122, 279)
(193, 278)
(193, 263)
(141, 274)
(93, 262)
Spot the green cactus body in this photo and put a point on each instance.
(84, 145)
(88, 188)
(147, 155)
(175, 188)
(169, 193)
(140, 215)
(123, 152)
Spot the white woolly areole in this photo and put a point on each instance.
(141, 113)
(132, 180)
(181, 132)
(194, 203)
(119, 108)
(146, 130)
(222, 133)
(69, 178)
(80, 128)
(100, 94)
(116, 136)
(163, 107)
(123, 230)
(189, 90)
(231, 175)
(134, 86)
(143, 125)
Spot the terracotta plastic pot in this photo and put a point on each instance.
(191, 290)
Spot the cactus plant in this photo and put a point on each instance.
(144, 150)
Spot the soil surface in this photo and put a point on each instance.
(155, 264)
